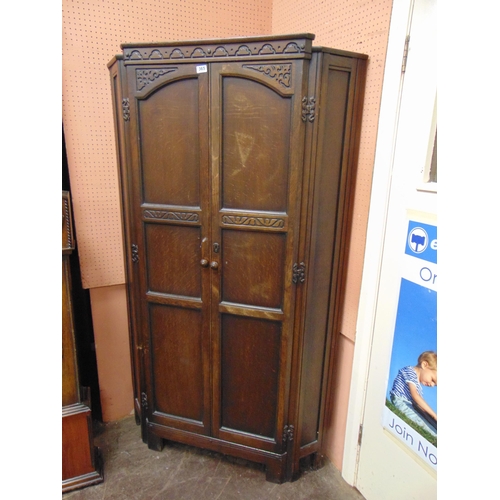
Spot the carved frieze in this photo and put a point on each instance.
(213, 51)
(170, 215)
(236, 220)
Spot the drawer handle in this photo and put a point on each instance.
(214, 264)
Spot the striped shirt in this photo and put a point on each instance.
(405, 376)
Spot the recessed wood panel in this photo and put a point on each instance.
(253, 268)
(176, 361)
(250, 371)
(173, 259)
(255, 146)
(322, 250)
(170, 153)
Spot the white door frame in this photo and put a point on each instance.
(387, 131)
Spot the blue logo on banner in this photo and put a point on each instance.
(422, 241)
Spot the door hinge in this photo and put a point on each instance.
(299, 273)
(360, 434)
(144, 400)
(135, 253)
(288, 433)
(126, 109)
(405, 54)
(308, 108)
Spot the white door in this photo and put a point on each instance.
(395, 459)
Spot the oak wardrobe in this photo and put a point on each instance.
(237, 159)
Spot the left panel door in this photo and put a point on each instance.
(167, 109)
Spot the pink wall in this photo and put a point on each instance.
(109, 318)
(361, 26)
(92, 33)
(336, 413)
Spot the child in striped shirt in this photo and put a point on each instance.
(407, 395)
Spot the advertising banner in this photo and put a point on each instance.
(410, 412)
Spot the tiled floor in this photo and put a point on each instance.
(133, 471)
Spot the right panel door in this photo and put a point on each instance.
(257, 138)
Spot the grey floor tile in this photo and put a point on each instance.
(134, 472)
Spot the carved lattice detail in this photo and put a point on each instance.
(146, 76)
(279, 72)
(252, 221)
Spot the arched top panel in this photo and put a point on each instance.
(278, 76)
(255, 138)
(170, 130)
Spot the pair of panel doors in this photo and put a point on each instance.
(215, 166)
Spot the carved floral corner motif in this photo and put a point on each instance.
(146, 76)
(279, 72)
